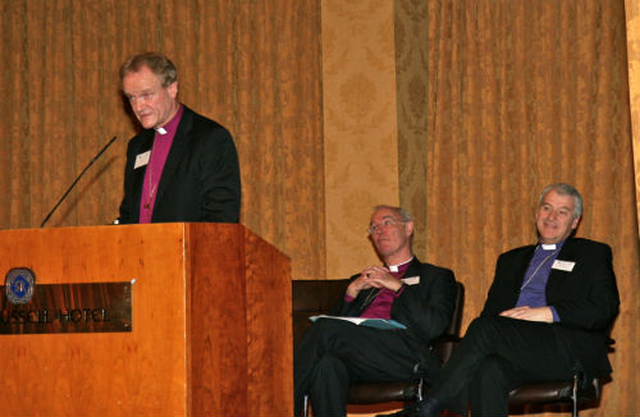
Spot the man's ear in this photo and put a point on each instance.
(409, 228)
(173, 90)
(575, 223)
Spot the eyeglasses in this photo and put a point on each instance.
(384, 224)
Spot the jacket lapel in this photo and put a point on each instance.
(414, 268)
(177, 151)
(526, 260)
(566, 254)
(138, 174)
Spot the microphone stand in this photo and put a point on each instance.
(95, 158)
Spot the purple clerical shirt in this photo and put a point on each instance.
(162, 142)
(533, 290)
(380, 307)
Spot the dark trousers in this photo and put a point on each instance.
(334, 353)
(496, 355)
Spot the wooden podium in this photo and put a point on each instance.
(210, 331)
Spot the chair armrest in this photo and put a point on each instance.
(312, 298)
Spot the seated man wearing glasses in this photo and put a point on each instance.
(336, 353)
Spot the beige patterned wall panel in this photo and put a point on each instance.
(360, 135)
(412, 78)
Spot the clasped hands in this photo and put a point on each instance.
(373, 277)
(541, 314)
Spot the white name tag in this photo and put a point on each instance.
(142, 159)
(563, 265)
(411, 280)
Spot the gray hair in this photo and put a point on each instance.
(399, 211)
(564, 189)
(159, 64)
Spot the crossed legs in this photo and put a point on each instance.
(496, 355)
(334, 353)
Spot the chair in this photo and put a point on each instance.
(312, 297)
(560, 392)
(382, 392)
(557, 392)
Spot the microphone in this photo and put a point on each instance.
(95, 158)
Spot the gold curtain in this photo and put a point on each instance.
(522, 94)
(632, 20)
(254, 66)
(632, 8)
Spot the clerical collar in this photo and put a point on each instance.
(551, 246)
(172, 125)
(395, 268)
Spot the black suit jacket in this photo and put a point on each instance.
(425, 308)
(201, 177)
(586, 298)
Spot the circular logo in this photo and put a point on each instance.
(19, 285)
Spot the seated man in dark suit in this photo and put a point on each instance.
(335, 353)
(546, 317)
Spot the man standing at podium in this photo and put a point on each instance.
(182, 167)
(420, 296)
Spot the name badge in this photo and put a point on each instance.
(563, 265)
(411, 280)
(142, 159)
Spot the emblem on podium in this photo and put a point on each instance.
(19, 285)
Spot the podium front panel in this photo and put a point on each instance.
(172, 362)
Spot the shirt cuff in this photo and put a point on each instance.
(556, 317)
(348, 298)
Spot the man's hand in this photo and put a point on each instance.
(374, 276)
(541, 314)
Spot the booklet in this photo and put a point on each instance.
(384, 324)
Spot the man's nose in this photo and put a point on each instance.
(137, 104)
